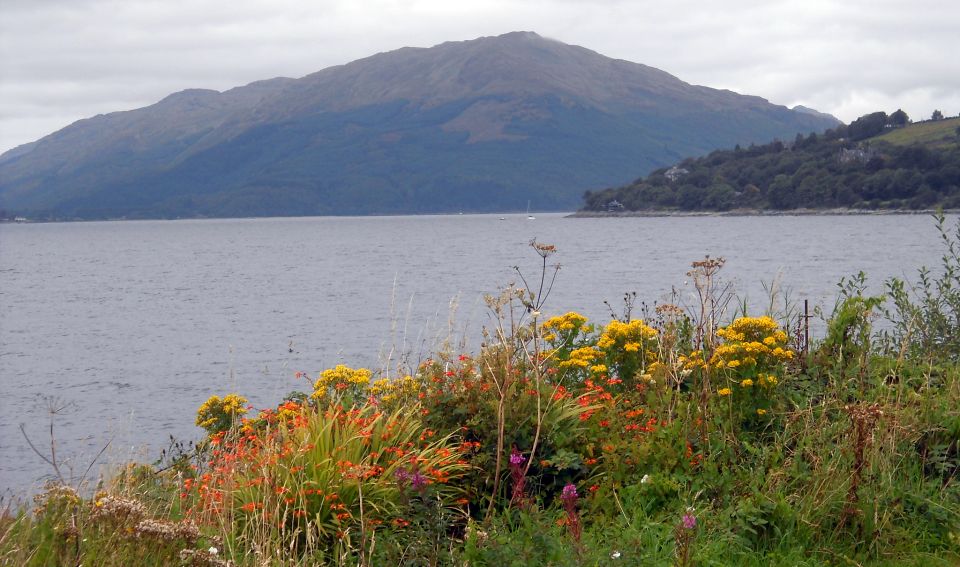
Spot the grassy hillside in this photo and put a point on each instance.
(940, 133)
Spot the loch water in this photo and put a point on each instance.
(130, 325)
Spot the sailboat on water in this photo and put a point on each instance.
(529, 216)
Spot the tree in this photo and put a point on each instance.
(937, 115)
(720, 197)
(899, 118)
(867, 126)
(781, 194)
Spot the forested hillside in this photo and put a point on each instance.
(876, 162)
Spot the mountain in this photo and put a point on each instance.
(877, 162)
(481, 125)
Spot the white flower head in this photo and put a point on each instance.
(213, 551)
(645, 479)
(615, 555)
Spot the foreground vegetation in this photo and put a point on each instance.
(695, 435)
(877, 162)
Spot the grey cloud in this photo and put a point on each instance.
(72, 58)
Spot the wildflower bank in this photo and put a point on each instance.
(684, 437)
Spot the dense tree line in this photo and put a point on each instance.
(844, 167)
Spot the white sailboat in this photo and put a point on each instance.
(529, 216)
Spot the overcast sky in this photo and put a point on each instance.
(62, 60)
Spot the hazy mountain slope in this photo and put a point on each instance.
(479, 125)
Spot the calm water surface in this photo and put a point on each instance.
(134, 324)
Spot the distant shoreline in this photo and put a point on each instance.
(574, 215)
(760, 213)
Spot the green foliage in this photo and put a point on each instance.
(925, 315)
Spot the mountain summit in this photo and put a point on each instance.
(480, 125)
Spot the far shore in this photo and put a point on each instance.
(760, 213)
(576, 214)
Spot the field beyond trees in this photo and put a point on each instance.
(683, 433)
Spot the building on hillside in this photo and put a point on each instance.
(614, 206)
(675, 173)
(862, 155)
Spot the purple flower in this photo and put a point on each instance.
(569, 498)
(689, 521)
(516, 458)
(417, 480)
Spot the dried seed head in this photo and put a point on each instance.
(117, 509)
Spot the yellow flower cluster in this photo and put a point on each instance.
(630, 336)
(767, 379)
(341, 377)
(564, 324)
(580, 358)
(692, 361)
(749, 329)
(217, 414)
(387, 390)
(751, 342)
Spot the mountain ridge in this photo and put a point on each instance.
(409, 130)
